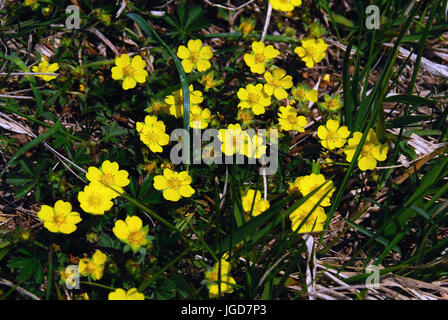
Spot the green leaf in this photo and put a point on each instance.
(411, 100)
(31, 144)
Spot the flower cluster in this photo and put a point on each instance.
(106, 183)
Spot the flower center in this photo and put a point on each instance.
(128, 71)
(259, 58)
(292, 119)
(94, 200)
(367, 149)
(136, 238)
(332, 104)
(107, 179)
(174, 183)
(59, 219)
(194, 56)
(252, 98)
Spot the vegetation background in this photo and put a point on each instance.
(393, 79)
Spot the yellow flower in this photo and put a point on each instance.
(246, 26)
(158, 107)
(312, 51)
(130, 71)
(45, 67)
(259, 56)
(95, 199)
(131, 232)
(152, 133)
(61, 218)
(289, 120)
(372, 151)
(199, 118)
(253, 146)
(313, 223)
(195, 56)
(174, 184)
(94, 266)
(285, 5)
(232, 138)
(307, 184)
(245, 116)
(253, 97)
(220, 280)
(176, 101)
(131, 294)
(277, 82)
(303, 94)
(331, 103)
(33, 4)
(259, 205)
(332, 136)
(109, 175)
(208, 81)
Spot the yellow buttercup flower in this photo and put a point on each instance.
(45, 67)
(332, 136)
(199, 118)
(59, 218)
(277, 83)
(174, 184)
(109, 175)
(131, 294)
(331, 103)
(130, 71)
(208, 81)
(246, 26)
(93, 267)
(253, 198)
(246, 116)
(313, 223)
(219, 279)
(176, 101)
(309, 183)
(260, 56)
(152, 133)
(233, 139)
(158, 107)
(253, 97)
(195, 56)
(285, 5)
(372, 151)
(312, 51)
(131, 232)
(289, 120)
(95, 199)
(254, 146)
(33, 4)
(303, 94)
